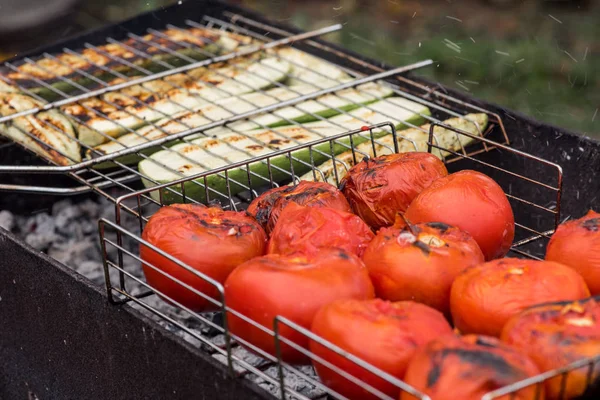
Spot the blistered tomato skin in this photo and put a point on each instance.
(555, 335)
(378, 188)
(472, 202)
(577, 244)
(267, 207)
(420, 263)
(382, 333)
(483, 298)
(209, 240)
(294, 286)
(310, 229)
(467, 368)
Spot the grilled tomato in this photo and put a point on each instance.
(577, 244)
(378, 188)
(419, 262)
(211, 241)
(294, 286)
(555, 335)
(309, 229)
(472, 202)
(267, 207)
(382, 333)
(468, 367)
(483, 298)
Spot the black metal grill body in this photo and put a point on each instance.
(60, 339)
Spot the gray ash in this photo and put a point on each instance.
(69, 233)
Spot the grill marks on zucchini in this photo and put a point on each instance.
(204, 154)
(111, 56)
(408, 140)
(48, 134)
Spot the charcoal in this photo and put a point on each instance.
(7, 220)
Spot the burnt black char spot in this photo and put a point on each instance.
(439, 225)
(592, 225)
(423, 247)
(477, 359)
(344, 256)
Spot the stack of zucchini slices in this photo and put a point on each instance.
(156, 109)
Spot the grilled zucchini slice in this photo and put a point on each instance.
(408, 140)
(48, 134)
(204, 154)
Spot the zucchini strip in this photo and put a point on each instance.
(325, 106)
(205, 40)
(205, 154)
(48, 134)
(408, 140)
(307, 68)
(133, 107)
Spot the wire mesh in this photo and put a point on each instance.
(132, 62)
(125, 282)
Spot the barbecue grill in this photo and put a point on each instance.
(135, 345)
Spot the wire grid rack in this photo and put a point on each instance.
(124, 175)
(123, 264)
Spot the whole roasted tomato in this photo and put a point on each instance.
(468, 367)
(555, 335)
(378, 188)
(419, 262)
(309, 229)
(211, 241)
(267, 207)
(472, 202)
(384, 334)
(577, 244)
(483, 298)
(294, 286)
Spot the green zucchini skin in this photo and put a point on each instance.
(196, 190)
(54, 71)
(408, 140)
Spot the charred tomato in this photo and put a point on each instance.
(378, 188)
(555, 335)
(468, 367)
(483, 298)
(267, 207)
(419, 262)
(293, 286)
(382, 333)
(577, 244)
(472, 202)
(309, 229)
(209, 240)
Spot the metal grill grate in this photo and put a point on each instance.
(121, 242)
(141, 56)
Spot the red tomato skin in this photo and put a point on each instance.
(421, 264)
(483, 298)
(378, 188)
(294, 286)
(467, 368)
(555, 335)
(472, 202)
(382, 333)
(267, 207)
(209, 240)
(577, 244)
(310, 229)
